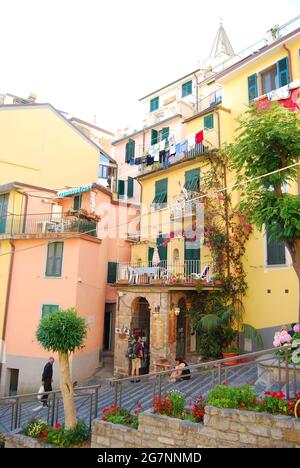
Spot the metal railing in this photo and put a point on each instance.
(209, 101)
(187, 272)
(250, 368)
(41, 223)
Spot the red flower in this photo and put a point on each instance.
(44, 434)
(106, 410)
(225, 382)
(113, 406)
(57, 426)
(139, 405)
(267, 393)
(135, 411)
(103, 418)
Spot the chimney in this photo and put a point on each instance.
(31, 97)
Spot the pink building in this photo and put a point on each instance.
(65, 248)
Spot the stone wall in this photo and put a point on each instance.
(221, 428)
(22, 441)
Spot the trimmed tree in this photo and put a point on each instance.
(63, 332)
(268, 139)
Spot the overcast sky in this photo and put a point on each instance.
(98, 57)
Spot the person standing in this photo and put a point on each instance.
(47, 379)
(136, 361)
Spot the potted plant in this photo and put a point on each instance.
(217, 279)
(229, 353)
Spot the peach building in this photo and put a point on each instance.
(62, 251)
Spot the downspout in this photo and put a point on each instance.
(25, 209)
(290, 62)
(7, 296)
(197, 94)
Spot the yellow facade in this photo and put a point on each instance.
(272, 295)
(39, 146)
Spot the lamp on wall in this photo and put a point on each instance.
(176, 311)
(156, 311)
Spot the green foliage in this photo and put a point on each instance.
(63, 331)
(65, 438)
(224, 396)
(177, 402)
(268, 140)
(118, 415)
(35, 428)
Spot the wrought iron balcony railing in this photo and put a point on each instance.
(43, 223)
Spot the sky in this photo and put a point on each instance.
(95, 58)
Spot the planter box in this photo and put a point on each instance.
(269, 373)
(230, 355)
(15, 440)
(157, 281)
(221, 428)
(122, 281)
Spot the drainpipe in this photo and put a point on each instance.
(290, 62)
(3, 334)
(25, 208)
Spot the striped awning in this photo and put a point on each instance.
(74, 191)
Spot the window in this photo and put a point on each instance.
(154, 137)
(129, 150)
(161, 193)
(252, 87)
(275, 252)
(162, 250)
(175, 256)
(48, 308)
(283, 72)
(103, 172)
(54, 258)
(3, 211)
(121, 188)
(77, 202)
(164, 133)
(112, 272)
(269, 79)
(154, 104)
(191, 257)
(187, 88)
(209, 121)
(130, 187)
(192, 180)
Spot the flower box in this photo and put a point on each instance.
(123, 281)
(157, 281)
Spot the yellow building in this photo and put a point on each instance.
(154, 289)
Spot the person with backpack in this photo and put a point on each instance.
(135, 354)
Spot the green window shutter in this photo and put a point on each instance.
(275, 252)
(129, 150)
(252, 87)
(112, 272)
(150, 254)
(154, 104)
(209, 121)
(54, 258)
(187, 88)
(283, 72)
(161, 192)
(77, 202)
(48, 308)
(130, 187)
(162, 251)
(192, 180)
(154, 137)
(121, 188)
(165, 133)
(190, 253)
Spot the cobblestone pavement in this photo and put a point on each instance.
(131, 394)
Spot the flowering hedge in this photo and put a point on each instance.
(118, 415)
(246, 398)
(283, 338)
(57, 435)
(173, 405)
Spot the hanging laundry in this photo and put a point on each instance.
(212, 99)
(199, 137)
(218, 95)
(172, 149)
(162, 145)
(280, 93)
(294, 84)
(162, 155)
(138, 161)
(166, 159)
(191, 141)
(292, 102)
(177, 148)
(183, 146)
(172, 140)
(149, 160)
(131, 162)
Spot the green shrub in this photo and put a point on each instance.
(117, 415)
(178, 403)
(65, 438)
(35, 428)
(232, 397)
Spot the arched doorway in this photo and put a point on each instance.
(181, 330)
(140, 325)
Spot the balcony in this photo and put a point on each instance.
(209, 101)
(45, 224)
(188, 273)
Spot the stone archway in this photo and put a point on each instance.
(140, 325)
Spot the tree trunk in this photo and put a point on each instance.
(66, 387)
(294, 249)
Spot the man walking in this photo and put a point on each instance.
(47, 379)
